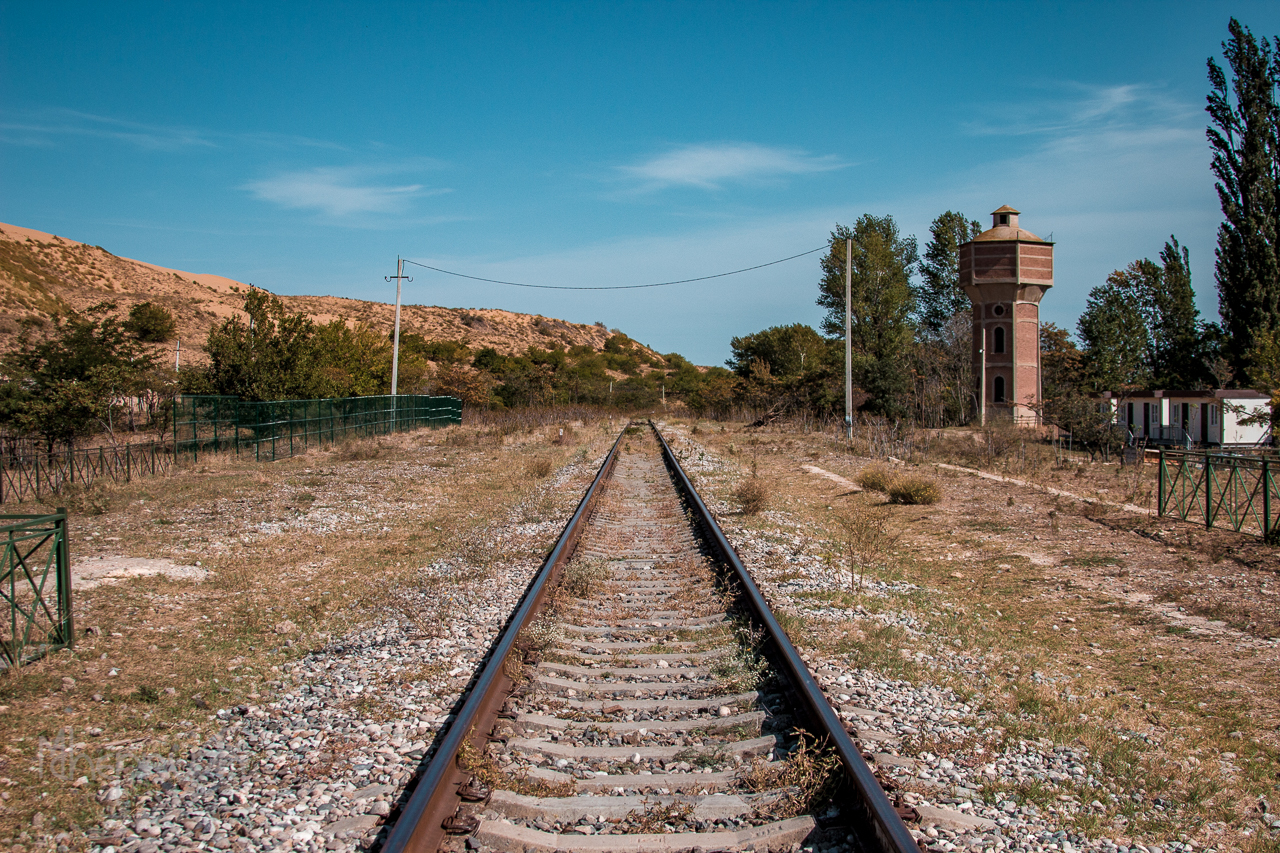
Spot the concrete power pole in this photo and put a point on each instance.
(848, 342)
(400, 277)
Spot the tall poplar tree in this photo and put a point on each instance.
(1245, 138)
(940, 296)
(882, 304)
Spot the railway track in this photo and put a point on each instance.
(644, 698)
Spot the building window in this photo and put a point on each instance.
(1213, 415)
(998, 310)
(1130, 417)
(1004, 219)
(999, 340)
(999, 389)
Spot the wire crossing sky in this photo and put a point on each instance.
(579, 145)
(618, 286)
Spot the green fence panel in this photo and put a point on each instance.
(280, 428)
(1234, 491)
(35, 583)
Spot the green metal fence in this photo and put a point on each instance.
(281, 428)
(35, 582)
(40, 474)
(1232, 490)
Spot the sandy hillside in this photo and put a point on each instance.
(44, 274)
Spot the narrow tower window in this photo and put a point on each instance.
(999, 339)
(999, 389)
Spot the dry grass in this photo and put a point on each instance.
(752, 496)
(1062, 613)
(877, 478)
(321, 541)
(915, 489)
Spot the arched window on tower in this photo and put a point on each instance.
(998, 395)
(999, 339)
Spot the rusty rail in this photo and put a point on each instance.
(435, 799)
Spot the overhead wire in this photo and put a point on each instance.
(618, 286)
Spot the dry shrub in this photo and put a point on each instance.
(539, 468)
(583, 576)
(866, 537)
(807, 777)
(565, 436)
(915, 489)
(360, 450)
(878, 478)
(752, 496)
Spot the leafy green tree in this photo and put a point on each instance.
(1114, 333)
(787, 350)
(882, 303)
(72, 378)
(940, 297)
(1245, 138)
(1060, 362)
(151, 323)
(272, 357)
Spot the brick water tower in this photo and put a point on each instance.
(1005, 272)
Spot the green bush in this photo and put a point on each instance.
(152, 323)
(914, 489)
(877, 478)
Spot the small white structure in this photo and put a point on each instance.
(1186, 418)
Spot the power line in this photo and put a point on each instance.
(616, 287)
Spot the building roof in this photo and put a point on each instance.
(1208, 394)
(1004, 208)
(1007, 232)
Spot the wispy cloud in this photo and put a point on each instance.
(45, 127)
(339, 191)
(712, 166)
(1064, 109)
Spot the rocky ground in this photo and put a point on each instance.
(1027, 681)
(997, 635)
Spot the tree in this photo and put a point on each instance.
(882, 303)
(1174, 322)
(1060, 362)
(151, 323)
(272, 357)
(940, 296)
(1114, 334)
(73, 377)
(1245, 138)
(786, 350)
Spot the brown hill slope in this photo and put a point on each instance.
(43, 274)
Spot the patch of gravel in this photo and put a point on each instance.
(889, 715)
(323, 765)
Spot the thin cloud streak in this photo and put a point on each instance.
(338, 191)
(712, 166)
(45, 127)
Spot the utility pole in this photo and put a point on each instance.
(399, 277)
(982, 379)
(177, 357)
(848, 341)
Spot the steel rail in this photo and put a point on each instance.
(888, 834)
(420, 828)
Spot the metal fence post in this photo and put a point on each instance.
(1160, 486)
(66, 626)
(1266, 499)
(1208, 490)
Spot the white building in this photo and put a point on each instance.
(1186, 418)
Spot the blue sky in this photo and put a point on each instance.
(302, 146)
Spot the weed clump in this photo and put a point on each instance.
(752, 496)
(877, 478)
(582, 577)
(914, 489)
(540, 468)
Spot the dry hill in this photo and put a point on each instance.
(43, 274)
